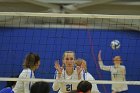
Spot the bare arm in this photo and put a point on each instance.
(56, 84)
(99, 56)
(102, 66)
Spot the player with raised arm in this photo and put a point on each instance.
(118, 73)
(67, 72)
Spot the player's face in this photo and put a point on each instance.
(83, 65)
(37, 65)
(117, 60)
(69, 59)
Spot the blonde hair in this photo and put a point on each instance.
(79, 62)
(68, 52)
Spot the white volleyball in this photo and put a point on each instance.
(115, 44)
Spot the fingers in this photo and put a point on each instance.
(79, 69)
(58, 67)
(99, 56)
(100, 52)
(56, 64)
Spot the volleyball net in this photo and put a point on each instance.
(51, 34)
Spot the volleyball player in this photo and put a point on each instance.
(118, 73)
(86, 74)
(31, 63)
(66, 72)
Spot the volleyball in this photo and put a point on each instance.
(115, 44)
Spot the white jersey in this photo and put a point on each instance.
(24, 87)
(116, 75)
(64, 87)
(88, 76)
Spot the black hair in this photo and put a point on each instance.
(73, 91)
(40, 87)
(84, 86)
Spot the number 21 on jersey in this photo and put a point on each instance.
(68, 87)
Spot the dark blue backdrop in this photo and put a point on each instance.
(51, 43)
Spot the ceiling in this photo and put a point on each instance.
(111, 7)
(121, 7)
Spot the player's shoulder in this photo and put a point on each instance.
(88, 74)
(122, 66)
(25, 72)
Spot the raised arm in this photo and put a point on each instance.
(56, 84)
(58, 69)
(102, 66)
(99, 56)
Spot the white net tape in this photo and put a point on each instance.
(92, 81)
(57, 15)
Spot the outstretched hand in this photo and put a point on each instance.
(99, 56)
(58, 67)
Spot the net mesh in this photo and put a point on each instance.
(50, 35)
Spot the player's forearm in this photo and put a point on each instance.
(59, 76)
(55, 86)
(103, 67)
(101, 64)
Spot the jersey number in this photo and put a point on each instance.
(68, 87)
